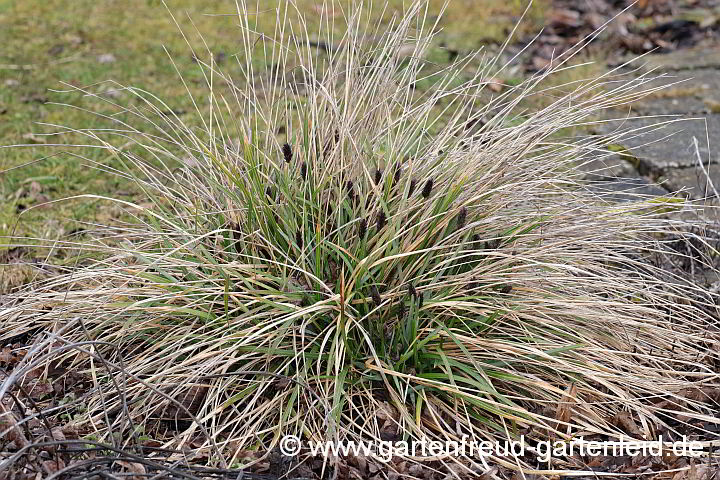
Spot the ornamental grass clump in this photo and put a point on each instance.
(295, 289)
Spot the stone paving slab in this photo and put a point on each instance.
(626, 189)
(686, 92)
(693, 180)
(671, 145)
(672, 106)
(707, 57)
(689, 107)
(604, 169)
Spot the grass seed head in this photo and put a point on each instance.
(378, 176)
(362, 228)
(411, 290)
(377, 300)
(287, 152)
(381, 220)
(350, 190)
(411, 188)
(427, 189)
(461, 218)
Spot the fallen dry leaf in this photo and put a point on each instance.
(133, 467)
(563, 413)
(627, 423)
(565, 17)
(32, 138)
(6, 356)
(496, 85)
(9, 425)
(52, 466)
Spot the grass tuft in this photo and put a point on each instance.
(490, 294)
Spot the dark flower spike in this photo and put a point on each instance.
(378, 176)
(401, 309)
(427, 189)
(268, 191)
(381, 219)
(299, 238)
(351, 190)
(411, 290)
(303, 170)
(337, 135)
(461, 218)
(492, 244)
(287, 152)
(411, 189)
(362, 228)
(506, 289)
(476, 245)
(474, 121)
(397, 175)
(235, 230)
(421, 301)
(375, 295)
